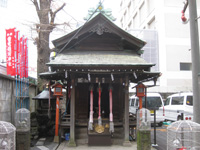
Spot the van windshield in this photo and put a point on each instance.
(152, 102)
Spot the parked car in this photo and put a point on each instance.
(154, 101)
(177, 105)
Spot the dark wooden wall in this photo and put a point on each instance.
(82, 107)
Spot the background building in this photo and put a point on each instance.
(159, 23)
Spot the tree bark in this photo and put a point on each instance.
(46, 25)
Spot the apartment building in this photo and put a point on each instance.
(158, 22)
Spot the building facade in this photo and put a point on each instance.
(158, 22)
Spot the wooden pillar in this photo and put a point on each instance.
(126, 114)
(72, 142)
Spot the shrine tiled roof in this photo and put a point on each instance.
(111, 58)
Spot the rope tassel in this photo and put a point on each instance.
(90, 127)
(99, 102)
(111, 114)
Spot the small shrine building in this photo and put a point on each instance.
(98, 61)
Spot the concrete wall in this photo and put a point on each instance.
(7, 98)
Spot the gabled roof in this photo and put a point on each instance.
(99, 24)
(119, 48)
(100, 48)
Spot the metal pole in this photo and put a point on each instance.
(154, 129)
(195, 58)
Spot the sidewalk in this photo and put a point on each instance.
(64, 146)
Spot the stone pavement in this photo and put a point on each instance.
(44, 144)
(48, 144)
(63, 146)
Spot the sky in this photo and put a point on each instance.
(21, 14)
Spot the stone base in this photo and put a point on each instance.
(56, 139)
(143, 139)
(72, 143)
(127, 143)
(22, 140)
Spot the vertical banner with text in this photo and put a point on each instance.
(16, 54)
(10, 52)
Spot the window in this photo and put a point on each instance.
(132, 102)
(185, 66)
(151, 23)
(189, 100)
(3, 3)
(129, 25)
(177, 100)
(152, 102)
(167, 101)
(137, 102)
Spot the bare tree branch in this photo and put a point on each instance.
(53, 14)
(45, 26)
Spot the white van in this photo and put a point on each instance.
(179, 103)
(154, 100)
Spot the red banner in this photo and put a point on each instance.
(10, 52)
(17, 43)
(26, 57)
(23, 57)
(16, 54)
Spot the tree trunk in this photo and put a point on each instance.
(44, 28)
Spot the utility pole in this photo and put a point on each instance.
(194, 34)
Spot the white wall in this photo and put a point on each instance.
(173, 39)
